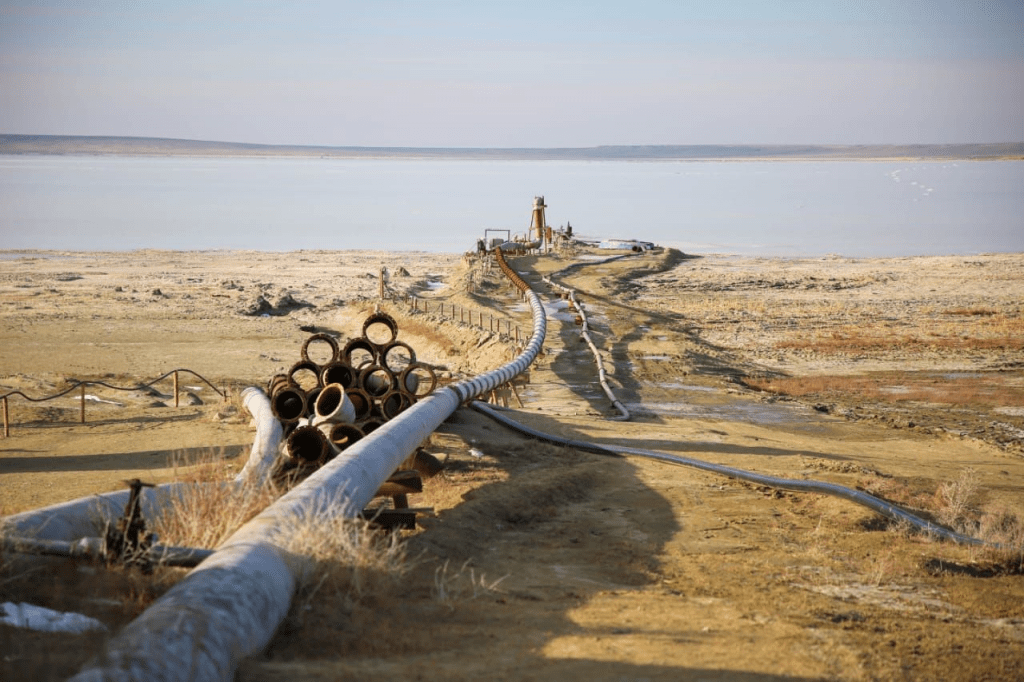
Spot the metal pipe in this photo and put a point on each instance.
(85, 516)
(265, 444)
(343, 436)
(361, 401)
(320, 338)
(339, 372)
(95, 548)
(288, 403)
(230, 605)
(308, 444)
(380, 319)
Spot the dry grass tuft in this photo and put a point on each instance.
(349, 560)
(954, 502)
(206, 513)
(461, 585)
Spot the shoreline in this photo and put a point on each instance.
(511, 159)
(68, 145)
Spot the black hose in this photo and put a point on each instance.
(889, 511)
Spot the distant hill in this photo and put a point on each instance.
(154, 146)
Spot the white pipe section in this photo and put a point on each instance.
(231, 604)
(86, 516)
(602, 375)
(343, 410)
(265, 444)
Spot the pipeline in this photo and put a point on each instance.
(230, 605)
(266, 442)
(85, 516)
(95, 548)
(889, 511)
(602, 376)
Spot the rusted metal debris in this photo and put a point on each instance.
(329, 404)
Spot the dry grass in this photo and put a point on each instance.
(957, 504)
(349, 560)
(209, 511)
(452, 587)
(960, 329)
(955, 501)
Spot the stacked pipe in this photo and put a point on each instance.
(326, 406)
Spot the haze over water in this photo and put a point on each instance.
(857, 209)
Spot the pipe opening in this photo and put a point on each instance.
(396, 356)
(305, 375)
(289, 403)
(325, 349)
(344, 435)
(377, 380)
(419, 380)
(380, 329)
(339, 372)
(361, 402)
(309, 444)
(359, 353)
(371, 425)
(394, 403)
(329, 400)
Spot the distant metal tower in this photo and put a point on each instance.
(539, 223)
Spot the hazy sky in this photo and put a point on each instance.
(515, 73)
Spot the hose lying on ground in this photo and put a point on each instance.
(873, 503)
(602, 376)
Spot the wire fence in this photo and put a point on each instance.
(81, 386)
(485, 321)
(477, 318)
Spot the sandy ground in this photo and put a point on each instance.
(542, 562)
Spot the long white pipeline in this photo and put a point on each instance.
(231, 604)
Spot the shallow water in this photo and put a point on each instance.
(769, 208)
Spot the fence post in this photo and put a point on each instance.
(7, 423)
(83, 403)
(175, 388)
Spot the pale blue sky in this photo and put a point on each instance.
(516, 73)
